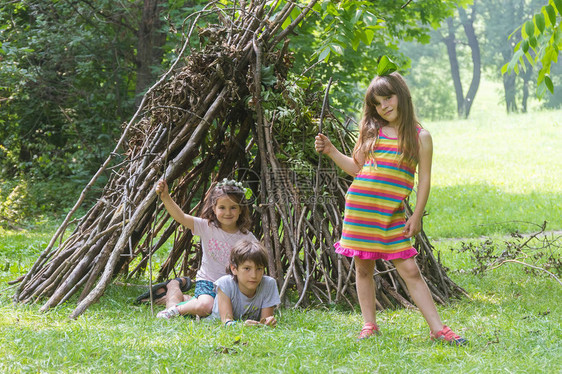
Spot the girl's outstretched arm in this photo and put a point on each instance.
(171, 206)
(346, 163)
(413, 225)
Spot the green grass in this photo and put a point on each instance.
(488, 170)
(512, 320)
(495, 173)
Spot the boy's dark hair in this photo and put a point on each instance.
(246, 250)
(236, 194)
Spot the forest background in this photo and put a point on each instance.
(72, 72)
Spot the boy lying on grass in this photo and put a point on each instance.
(246, 294)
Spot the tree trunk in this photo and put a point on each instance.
(476, 59)
(464, 104)
(450, 42)
(150, 43)
(509, 92)
(526, 76)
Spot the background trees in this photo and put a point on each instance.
(69, 75)
(493, 23)
(71, 72)
(500, 17)
(541, 40)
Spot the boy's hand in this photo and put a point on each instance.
(269, 321)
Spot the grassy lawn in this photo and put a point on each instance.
(495, 173)
(512, 320)
(491, 173)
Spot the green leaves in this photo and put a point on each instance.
(551, 13)
(268, 77)
(529, 28)
(347, 24)
(558, 4)
(386, 66)
(540, 45)
(539, 21)
(548, 83)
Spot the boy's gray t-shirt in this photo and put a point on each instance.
(243, 307)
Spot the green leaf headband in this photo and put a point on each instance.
(386, 66)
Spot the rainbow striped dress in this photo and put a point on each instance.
(374, 206)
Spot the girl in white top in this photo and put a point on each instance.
(224, 221)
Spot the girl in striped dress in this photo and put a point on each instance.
(390, 146)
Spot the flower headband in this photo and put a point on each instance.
(231, 182)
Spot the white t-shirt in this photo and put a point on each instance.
(243, 307)
(216, 245)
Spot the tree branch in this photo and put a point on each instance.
(405, 5)
(529, 265)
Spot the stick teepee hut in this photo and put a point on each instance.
(224, 109)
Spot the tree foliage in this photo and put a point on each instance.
(541, 40)
(493, 25)
(429, 80)
(344, 40)
(499, 16)
(68, 78)
(69, 72)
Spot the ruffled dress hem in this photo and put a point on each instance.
(364, 255)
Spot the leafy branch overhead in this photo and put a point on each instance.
(386, 66)
(541, 41)
(347, 25)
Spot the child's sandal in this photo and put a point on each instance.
(145, 297)
(185, 283)
(368, 330)
(169, 313)
(446, 335)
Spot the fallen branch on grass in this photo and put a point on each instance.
(529, 265)
(489, 256)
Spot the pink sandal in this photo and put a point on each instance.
(447, 335)
(368, 330)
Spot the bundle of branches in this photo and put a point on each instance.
(227, 111)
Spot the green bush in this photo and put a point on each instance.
(15, 202)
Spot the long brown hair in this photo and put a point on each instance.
(372, 122)
(236, 194)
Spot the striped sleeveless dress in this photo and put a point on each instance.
(374, 206)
